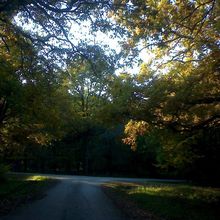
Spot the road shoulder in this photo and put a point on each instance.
(126, 205)
(18, 190)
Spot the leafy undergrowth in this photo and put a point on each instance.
(20, 189)
(166, 200)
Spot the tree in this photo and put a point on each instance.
(183, 31)
(177, 91)
(29, 92)
(88, 81)
(183, 106)
(47, 24)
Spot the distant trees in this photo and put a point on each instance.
(88, 80)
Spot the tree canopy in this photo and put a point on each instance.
(65, 100)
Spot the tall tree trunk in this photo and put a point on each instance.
(3, 108)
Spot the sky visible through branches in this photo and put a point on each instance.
(83, 33)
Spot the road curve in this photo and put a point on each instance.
(73, 198)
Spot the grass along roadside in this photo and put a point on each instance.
(18, 189)
(169, 201)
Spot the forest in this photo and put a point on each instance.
(72, 104)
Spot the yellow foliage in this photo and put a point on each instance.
(133, 129)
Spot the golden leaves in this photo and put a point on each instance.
(133, 129)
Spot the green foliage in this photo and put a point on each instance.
(182, 30)
(183, 106)
(88, 81)
(62, 105)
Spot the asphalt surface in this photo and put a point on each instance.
(73, 198)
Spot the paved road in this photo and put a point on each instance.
(73, 198)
